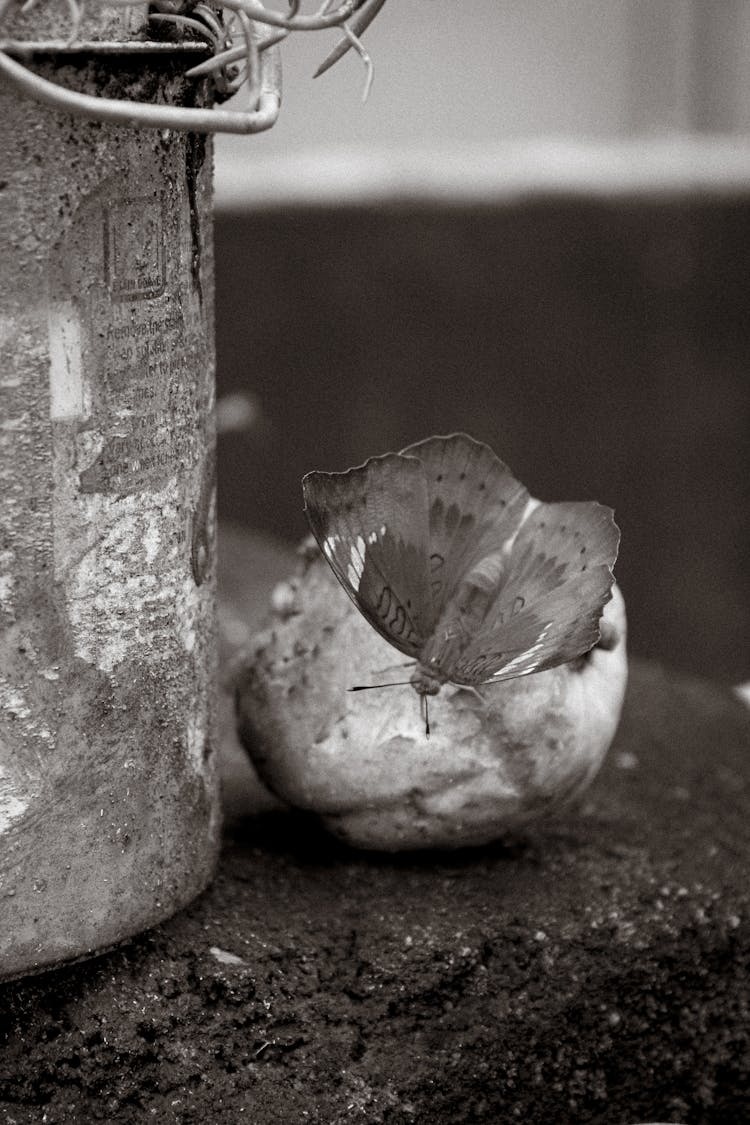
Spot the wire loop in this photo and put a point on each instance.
(242, 58)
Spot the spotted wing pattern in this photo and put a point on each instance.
(548, 607)
(475, 508)
(448, 557)
(371, 525)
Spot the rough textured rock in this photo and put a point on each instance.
(497, 757)
(593, 970)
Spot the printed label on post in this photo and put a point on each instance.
(125, 340)
(134, 249)
(131, 397)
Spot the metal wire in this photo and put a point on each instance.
(241, 57)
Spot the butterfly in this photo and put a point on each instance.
(453, 562)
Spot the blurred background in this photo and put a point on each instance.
(537, 230)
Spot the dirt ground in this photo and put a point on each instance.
(593, 970)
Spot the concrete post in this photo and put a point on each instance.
(108, 788)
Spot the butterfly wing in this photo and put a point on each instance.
(475, 507)
(447, 556)
(547, 611)
(371, 524)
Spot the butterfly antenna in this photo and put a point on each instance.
(373, 687)
(423, 708)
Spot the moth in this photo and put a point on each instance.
(452, 561)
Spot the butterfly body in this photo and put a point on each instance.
(424, 682)
(440, 657)
(450, 559)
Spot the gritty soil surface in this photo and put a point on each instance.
(593, 970)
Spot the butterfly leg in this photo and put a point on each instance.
(473, 691)
(424, 714)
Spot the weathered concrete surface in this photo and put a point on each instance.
(596, 970)
(108, 791)
(113, 22)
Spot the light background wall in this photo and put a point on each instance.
(453, 73)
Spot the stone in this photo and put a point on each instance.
(496, 757)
